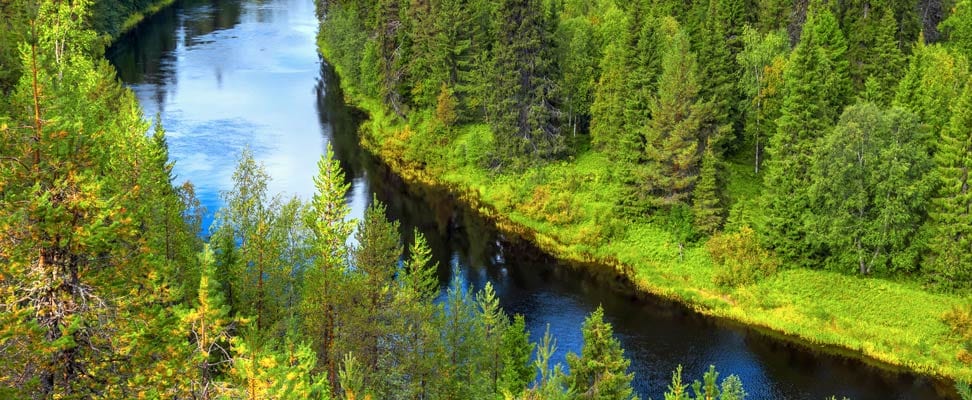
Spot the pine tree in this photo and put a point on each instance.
(209, 324)
(367, 321)
(462, 335)
(518, 370)
(816, 85)
(495, 324)
(672, 137)
(951, 218)
(706, 206)
(718, 66)
(421, 349)
(523, 110)
(601, 370)
(554, 384)
(958, 28)
(322, 284)
(677, 390)
(71, 250)
(708, 388)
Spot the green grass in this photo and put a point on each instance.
(568, 208)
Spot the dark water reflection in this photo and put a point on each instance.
(225, 74)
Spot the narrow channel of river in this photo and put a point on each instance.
(229, 74)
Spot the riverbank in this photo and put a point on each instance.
(113, 20)
(565, 209)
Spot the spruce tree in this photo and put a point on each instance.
(951, 218)
(367, 318)
(672, 137)
(495, 324)
(958, 28)
(816, 86)
(523, 110)
(718, 66)
(601, 370)
(933, 81)
(706, 206)
(518, 370)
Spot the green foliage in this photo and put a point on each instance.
(951, 218)
(790, 101)
(553, 383)
(816, 88)
(677, 390)
(870, 186)
(959, 320)
(718, 66)
(739, 258)
(673, 135)
(958, 28)
(600, 371)
(934, 80)
(706, 204)
(327, 220)
(761, 61)
(518, 370)
(522, 110)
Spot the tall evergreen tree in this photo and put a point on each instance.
(933, 81)
(673, 135)
(718, 66)
(524, 111)
(322, 283)
(367, 319)
(951, 212)
(816, 85)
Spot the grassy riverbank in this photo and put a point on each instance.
(569, 210)
(112, 19)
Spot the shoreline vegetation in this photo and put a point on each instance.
(889, 322)
(136, 18)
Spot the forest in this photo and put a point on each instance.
(110, 290)
(789, 164)
(729, 137)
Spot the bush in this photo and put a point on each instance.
(739, 258)
(960, 320)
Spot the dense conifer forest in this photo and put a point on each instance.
(756, 145)
(790, 164)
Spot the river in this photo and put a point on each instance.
(228, 74)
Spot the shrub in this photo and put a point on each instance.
(739, 258)
(959, 319)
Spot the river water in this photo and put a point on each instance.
(224, 75)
